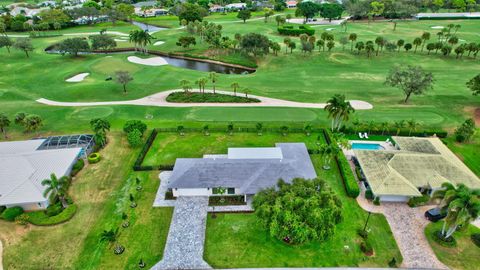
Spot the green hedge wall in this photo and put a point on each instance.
(40, 218)
(290, 30)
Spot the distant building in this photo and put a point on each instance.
(216, 8)
(291, 4)
(448, 16)
(236, 6)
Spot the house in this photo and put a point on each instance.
(25, 164)
(236, 6)
(291, 4)
(216, 8)
(243, 171)
(414, 167)
(27, 12)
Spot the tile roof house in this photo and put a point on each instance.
(23, 167)
(243, 171)
(417, 164)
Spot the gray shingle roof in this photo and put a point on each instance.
(248, 175)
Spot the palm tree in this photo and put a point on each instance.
(56, 188)
(425, 37)
(235, 86)
(417, 42)
(201, 83)
(400, 44)
(412, 126)
(371, 125)
(339, 110)
(384, 126)
(328, 152)
(359, 46)
(144, 39)
(259, 127)
(399, 125)
(185, 85)
(462, 205)
(4, 124)
(213, 77)
(134, 38)
(352, 37)
(380, 41)
(109, 236)
(286, 41)
(355, 124)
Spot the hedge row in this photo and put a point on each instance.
(138, 163)
(40, 218)
(349, 181)
(423, 133)
(289, 30)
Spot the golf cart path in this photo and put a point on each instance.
(160, 99)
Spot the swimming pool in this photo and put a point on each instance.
(366, 146)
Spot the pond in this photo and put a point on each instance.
(204, 66)
(148, 27)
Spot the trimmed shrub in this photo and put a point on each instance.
(418, 201)
(369, 194)
(54, 209)
(476, 239)
(134, 138)
(446, 242)
(11, 213)
(39, 218)
(131, 125)
(226, 200)
(78, 166)
(94, 158)
(290, 30)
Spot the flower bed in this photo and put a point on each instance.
(226, 200)
(196, 97)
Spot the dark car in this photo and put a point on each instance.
(435, 214)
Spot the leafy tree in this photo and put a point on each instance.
(32, 122)
(131, 125)
(466, 131)
(123, 77)
(377, 8)
(331, 11)
(6, 42)
(330, 45)
(305, 210)
(412, 80)
(56, 188)
(73, 46)
(430, 47)
(185, 42)
(103, 42)
(343, 41)
(92, 4)
(4, 124)
(408, 47)
(306, 10)
(339, 110)
(279, 20)
(23, 44)
(192, 12)
(321, 44)
(134, 138)
(474, 85)
(244, 15)
(52, 16)
(256, 44)
(462, 205)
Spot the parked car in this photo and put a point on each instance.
(435, 214)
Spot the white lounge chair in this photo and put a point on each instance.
(365, 135)
(360, 135)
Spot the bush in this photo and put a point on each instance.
(22, 219)
(2, 208)
(369, 194)
(39, 218)
(78, 166)
(93, 158)
(418, 201)
(169, 195)
(376, 201)
(135, 124)
(134, 138)
(446, 242)
(11, 213)
(476, 239)
(289, 30)
(54, 209)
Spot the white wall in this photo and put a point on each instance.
(31, 206)
(394, 198)
(191, 192)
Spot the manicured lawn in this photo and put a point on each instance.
(468, 152)
(238, 240)
(169, 146)
(101, 194)
(464, 256)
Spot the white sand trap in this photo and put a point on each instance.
(120, 40)
(153, 61)
(462, 40)
(78, 78)
(330, 29)
(437, 27)
(158, 43)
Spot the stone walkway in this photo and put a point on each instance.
(162, 189)
(160, 99)
(184, 248)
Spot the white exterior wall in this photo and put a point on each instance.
(30, 206)
(198, 192)
(394, 198)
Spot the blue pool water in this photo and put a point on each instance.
(366, 146)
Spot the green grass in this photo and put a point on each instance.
(238, 240)
(464, 256)
(195, 97)
(467, 152)
(99, 191)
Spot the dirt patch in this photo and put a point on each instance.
(475, 113)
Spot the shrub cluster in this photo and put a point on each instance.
(418, 201)
(11, 213)
(135, 130)
(78, 166)
(290, 30)
(41, 218)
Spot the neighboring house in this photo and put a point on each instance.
(216, 8)
(27, 12)
(243, 171)
(150, 12)
(417, 166)
(236, 6)
(25, 164)
(291, 4)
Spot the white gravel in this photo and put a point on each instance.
(152, 61)
(159, 99)
(78, 78)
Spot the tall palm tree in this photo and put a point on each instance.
(201, 84)
(384, 126)
(462, 205)
(339, 110)
(56, 188)
(185, 85)
(352, 37)
(134, 38)
(425, 38)
(398, 125)
(328, 151)
(235, 86)
(412, 126)
(144, 39)
(417, 42)
(213, 77)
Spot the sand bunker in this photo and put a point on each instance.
(330, 29)
(153, 61)
(158, 43)
(78, 78)
(120, 40)
(437, 27)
